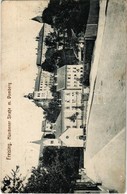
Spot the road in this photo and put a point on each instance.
(105, 151)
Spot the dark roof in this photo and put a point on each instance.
(91, 30)
(43, 125)
(40, 46)
(61, 78)
(37, 83)
(58, 126)
(93, 12)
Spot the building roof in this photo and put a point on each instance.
(93, 12)
(61, 78)
(37, 81)
(91, 30)
(40, 46)
(58, 126)
(43, 125)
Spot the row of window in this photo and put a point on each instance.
(73, 86)
(74, 67)
(40, 95)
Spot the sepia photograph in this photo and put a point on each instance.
(63, 96)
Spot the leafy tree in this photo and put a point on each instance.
(67, 14)
(73, 117)
(48, 66)
(13, 183)
(56, 173)
(53, 110)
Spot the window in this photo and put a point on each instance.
(67, 107)
(38, 95)
(52, 142)
(67, 137)
(74, 126)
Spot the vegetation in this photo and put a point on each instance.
(53, 110)
(13, 183)
(68, 19)
(62, 166)
(56, 173)
(66, 15)
(73, 117)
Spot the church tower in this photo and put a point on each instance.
(29, 96)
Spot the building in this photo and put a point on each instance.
(68, 77)
(43, 83)
(41, 48)
(47, 127)
(40, 39)
(69, 125)
(71, 109)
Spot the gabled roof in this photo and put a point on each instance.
(37, 83)
(58, 126)
(40, 46)
(61, 78)
(91, 30)
(43, 125)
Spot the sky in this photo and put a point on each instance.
(19, 68)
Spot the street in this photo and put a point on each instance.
(105, 147)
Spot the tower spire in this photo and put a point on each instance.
(38, 19)
(37, 141)
(29, 96)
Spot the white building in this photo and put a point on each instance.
(43, 83)
(48, 142)
(68, 77)
(71, 109)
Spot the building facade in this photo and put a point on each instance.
(71, 109)
(69, 77)
(43, 83)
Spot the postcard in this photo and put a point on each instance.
(63, 97)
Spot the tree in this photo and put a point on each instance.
(56, 173)
(13, 183)
(48, 66)
(61, 14)
(53, 110)
(73, 117)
